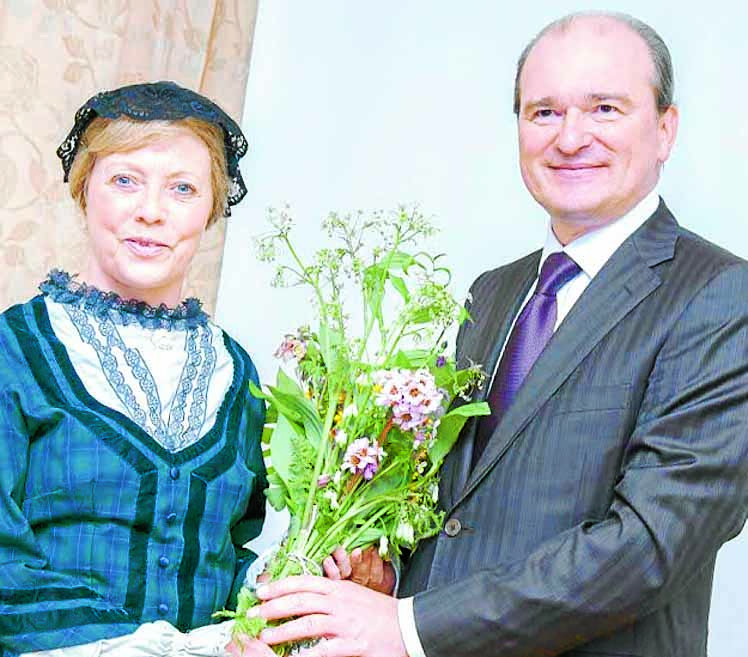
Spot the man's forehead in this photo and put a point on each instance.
(588, 32)
(592, 54)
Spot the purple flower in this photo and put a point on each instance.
(441, 361)
(323, 480)
(363, 457)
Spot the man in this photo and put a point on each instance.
(583, 517)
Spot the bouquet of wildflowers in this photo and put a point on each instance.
(356, 437)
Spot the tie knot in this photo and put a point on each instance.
(557, 270)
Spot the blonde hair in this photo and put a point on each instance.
(106, 136)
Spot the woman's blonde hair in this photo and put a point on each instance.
(106, 136)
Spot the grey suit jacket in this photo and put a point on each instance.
(591, 523)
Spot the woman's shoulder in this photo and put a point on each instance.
(21, 322)
(22, 327)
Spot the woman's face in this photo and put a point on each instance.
(146, 211)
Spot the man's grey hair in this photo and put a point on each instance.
(663, 66)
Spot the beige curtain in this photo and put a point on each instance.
(54, 54)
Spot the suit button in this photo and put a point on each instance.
(174, 473)
(452, 527)
(163, 561)
(163, 609)
(171, 518)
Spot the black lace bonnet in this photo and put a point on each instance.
(160, 101)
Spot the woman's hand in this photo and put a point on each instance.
(364, 567)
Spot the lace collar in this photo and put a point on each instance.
(62, 288)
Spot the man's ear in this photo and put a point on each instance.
(667, 125)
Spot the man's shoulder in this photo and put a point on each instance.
(520, 268)
(692, 247)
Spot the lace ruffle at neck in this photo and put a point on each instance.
(63, 288)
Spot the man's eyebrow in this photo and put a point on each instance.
(602, 96)
(545, 101)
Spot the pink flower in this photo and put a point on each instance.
(407, 417)
(292, 348)
(363, 457)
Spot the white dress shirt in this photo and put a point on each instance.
(590, 251)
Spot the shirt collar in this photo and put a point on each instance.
(592, 250)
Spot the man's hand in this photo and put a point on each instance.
(364, 567)
(352, 619)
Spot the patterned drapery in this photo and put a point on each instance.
(54, 54)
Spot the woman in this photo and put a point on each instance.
(132, 473)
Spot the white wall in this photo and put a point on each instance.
(366, 105)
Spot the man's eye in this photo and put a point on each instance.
(606, 109)
(544, 113)
(123, 181)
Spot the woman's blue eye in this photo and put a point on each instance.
(123, 180)
(185, 188)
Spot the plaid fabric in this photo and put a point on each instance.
(101, 528)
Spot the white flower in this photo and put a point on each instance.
(435, 492)
(337, 477)
(332, 497)
(384, 547)
(405, 532)
(340, 437)
(350, 411)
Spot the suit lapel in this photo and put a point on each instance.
(497, 299)
(621, 285)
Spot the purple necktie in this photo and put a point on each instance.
(531, 332)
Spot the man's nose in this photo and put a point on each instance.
(573, 134)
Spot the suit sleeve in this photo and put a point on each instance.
(682, 492)
(40, 608)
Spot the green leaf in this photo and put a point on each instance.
(444, 376)
(385, 483)
(271, 415)
(245, 600)
(297, 409)
(401, 287)
(330, 341)
(421, 316)
(277, 497)
(449, 429)
(368, 537)
(412, 358)
(399, 261)
(282, 449)
(287, 384)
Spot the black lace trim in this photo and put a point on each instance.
(63, 288)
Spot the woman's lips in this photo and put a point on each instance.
(145, 248)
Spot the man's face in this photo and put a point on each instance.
(591, 140)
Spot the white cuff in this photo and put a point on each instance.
(408, 629)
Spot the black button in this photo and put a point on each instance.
(174, 473)
(452, 527)
(163, 561)
(163, 609)
(171, 518)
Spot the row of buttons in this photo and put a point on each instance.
(163, 560)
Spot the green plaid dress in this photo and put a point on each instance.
(102, 528)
